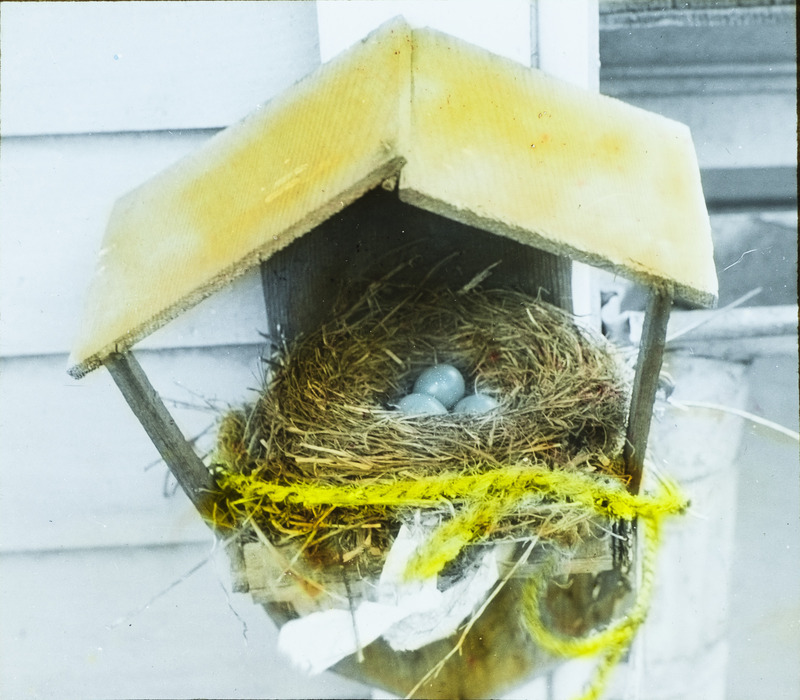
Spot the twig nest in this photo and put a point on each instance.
(547, 392)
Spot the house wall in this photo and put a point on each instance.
(96, 98)
(109, 584)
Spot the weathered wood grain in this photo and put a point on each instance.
(248, 193)
(192, 475)
(513, 151)
(376, 234)
(645, 383)
(608, 185)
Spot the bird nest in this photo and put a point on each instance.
(328, 419)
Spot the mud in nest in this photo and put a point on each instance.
(327, 414)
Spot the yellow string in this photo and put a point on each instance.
(612, 642)
(485, 498)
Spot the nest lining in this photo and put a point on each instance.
(327, 415)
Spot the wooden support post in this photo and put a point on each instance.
(192, 475)
(645, 383)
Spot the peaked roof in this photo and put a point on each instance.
(473, 136)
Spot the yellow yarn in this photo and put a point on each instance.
(486, 496)
(612, 642)
(484, 499)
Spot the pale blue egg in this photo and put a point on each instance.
(476, 403)
(421, 405)
(443, 382)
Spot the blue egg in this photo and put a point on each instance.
(476, 403)
(443, 382)
(421, 405)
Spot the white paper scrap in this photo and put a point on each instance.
(317, 641)
(440, 620)
(408, 614)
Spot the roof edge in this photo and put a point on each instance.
(696, 297)
(391, 168)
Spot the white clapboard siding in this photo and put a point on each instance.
(73, 630)
(74, 457)
(56, 194)
(502, 28)
(133, 66)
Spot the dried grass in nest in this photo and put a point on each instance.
(327, 413)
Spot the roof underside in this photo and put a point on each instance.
(476, 137)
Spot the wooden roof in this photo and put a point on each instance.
(473, 136)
